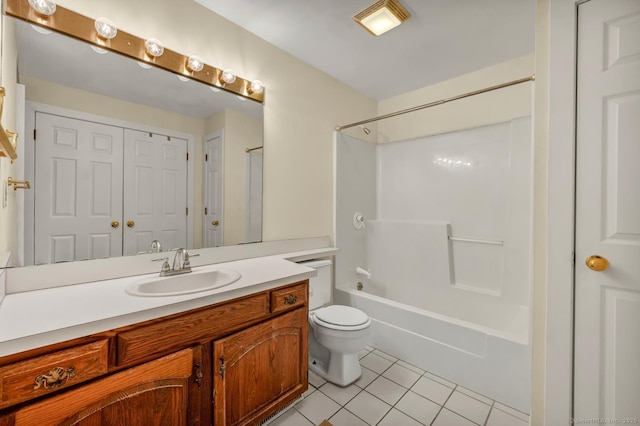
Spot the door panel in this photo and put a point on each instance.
(78, 181)
(155, 191)
(607, 303)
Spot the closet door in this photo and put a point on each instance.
(78, 189)
(155, 191)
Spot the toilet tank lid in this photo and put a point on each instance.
(342, 315)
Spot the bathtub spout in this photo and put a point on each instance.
(363, 272)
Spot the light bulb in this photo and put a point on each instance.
(195, 63)
(154, 47)
(182, 78)
(214, 89)
(228, 76)
(105, 28)
(144, 65)
(242, 98)
(43, 7)
(255, 87)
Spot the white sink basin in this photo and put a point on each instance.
(176, 285)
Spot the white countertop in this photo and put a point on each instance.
(37, 318)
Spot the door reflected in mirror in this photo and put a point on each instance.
(173, 162)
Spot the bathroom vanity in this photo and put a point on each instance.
(247, 355)
(230, 356)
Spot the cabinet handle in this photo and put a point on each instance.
(115, 224)
(58, 376)
(222, 367)
(290, 299)
(198, 374)
(131, 224)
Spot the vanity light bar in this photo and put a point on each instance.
(81, 27)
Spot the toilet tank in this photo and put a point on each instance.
(320, 285)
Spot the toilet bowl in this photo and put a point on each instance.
(336, 333)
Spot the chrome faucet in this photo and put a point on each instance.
(181, 263)
(156, 247)
(178, 260)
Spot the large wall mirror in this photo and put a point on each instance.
(108, 167)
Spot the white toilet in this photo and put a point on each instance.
(336, 333)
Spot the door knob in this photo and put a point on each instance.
(215, 223)
(597, 263)
(131, 224)
(115, 224)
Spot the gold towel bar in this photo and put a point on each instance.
(19, 184)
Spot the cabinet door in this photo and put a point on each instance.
(155, 393)
(260, 369)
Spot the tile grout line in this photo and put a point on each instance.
(488, 415)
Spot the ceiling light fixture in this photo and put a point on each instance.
(227, 77)
(195, 63)
(154, 47)
(43, 7)
(382, 16)
(105, 28)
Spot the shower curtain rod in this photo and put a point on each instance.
(440, 102)
(252, 149)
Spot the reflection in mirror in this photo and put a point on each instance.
(130, 159)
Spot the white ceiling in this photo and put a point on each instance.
(442, 38)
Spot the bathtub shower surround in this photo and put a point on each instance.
(448, 249)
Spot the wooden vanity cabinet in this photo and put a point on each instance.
(233, 363)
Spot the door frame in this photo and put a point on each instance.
(555, 119)
(29, 163)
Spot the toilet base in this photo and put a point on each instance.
(342, 369)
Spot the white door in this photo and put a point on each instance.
(213, 182)
(155, 191)
(607, 303)
(78, 189)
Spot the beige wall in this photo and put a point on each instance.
(241, 132)
(480, 110)
(302, 104)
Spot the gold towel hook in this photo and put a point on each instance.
(19, 184)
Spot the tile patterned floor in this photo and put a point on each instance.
(391, 392)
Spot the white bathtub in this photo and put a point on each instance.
(487, 351)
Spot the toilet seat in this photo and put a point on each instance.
(339, 317)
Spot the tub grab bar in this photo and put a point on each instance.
(474, 240)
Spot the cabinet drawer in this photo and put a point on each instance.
(176, 333)
(37, 376)
(289, 297)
